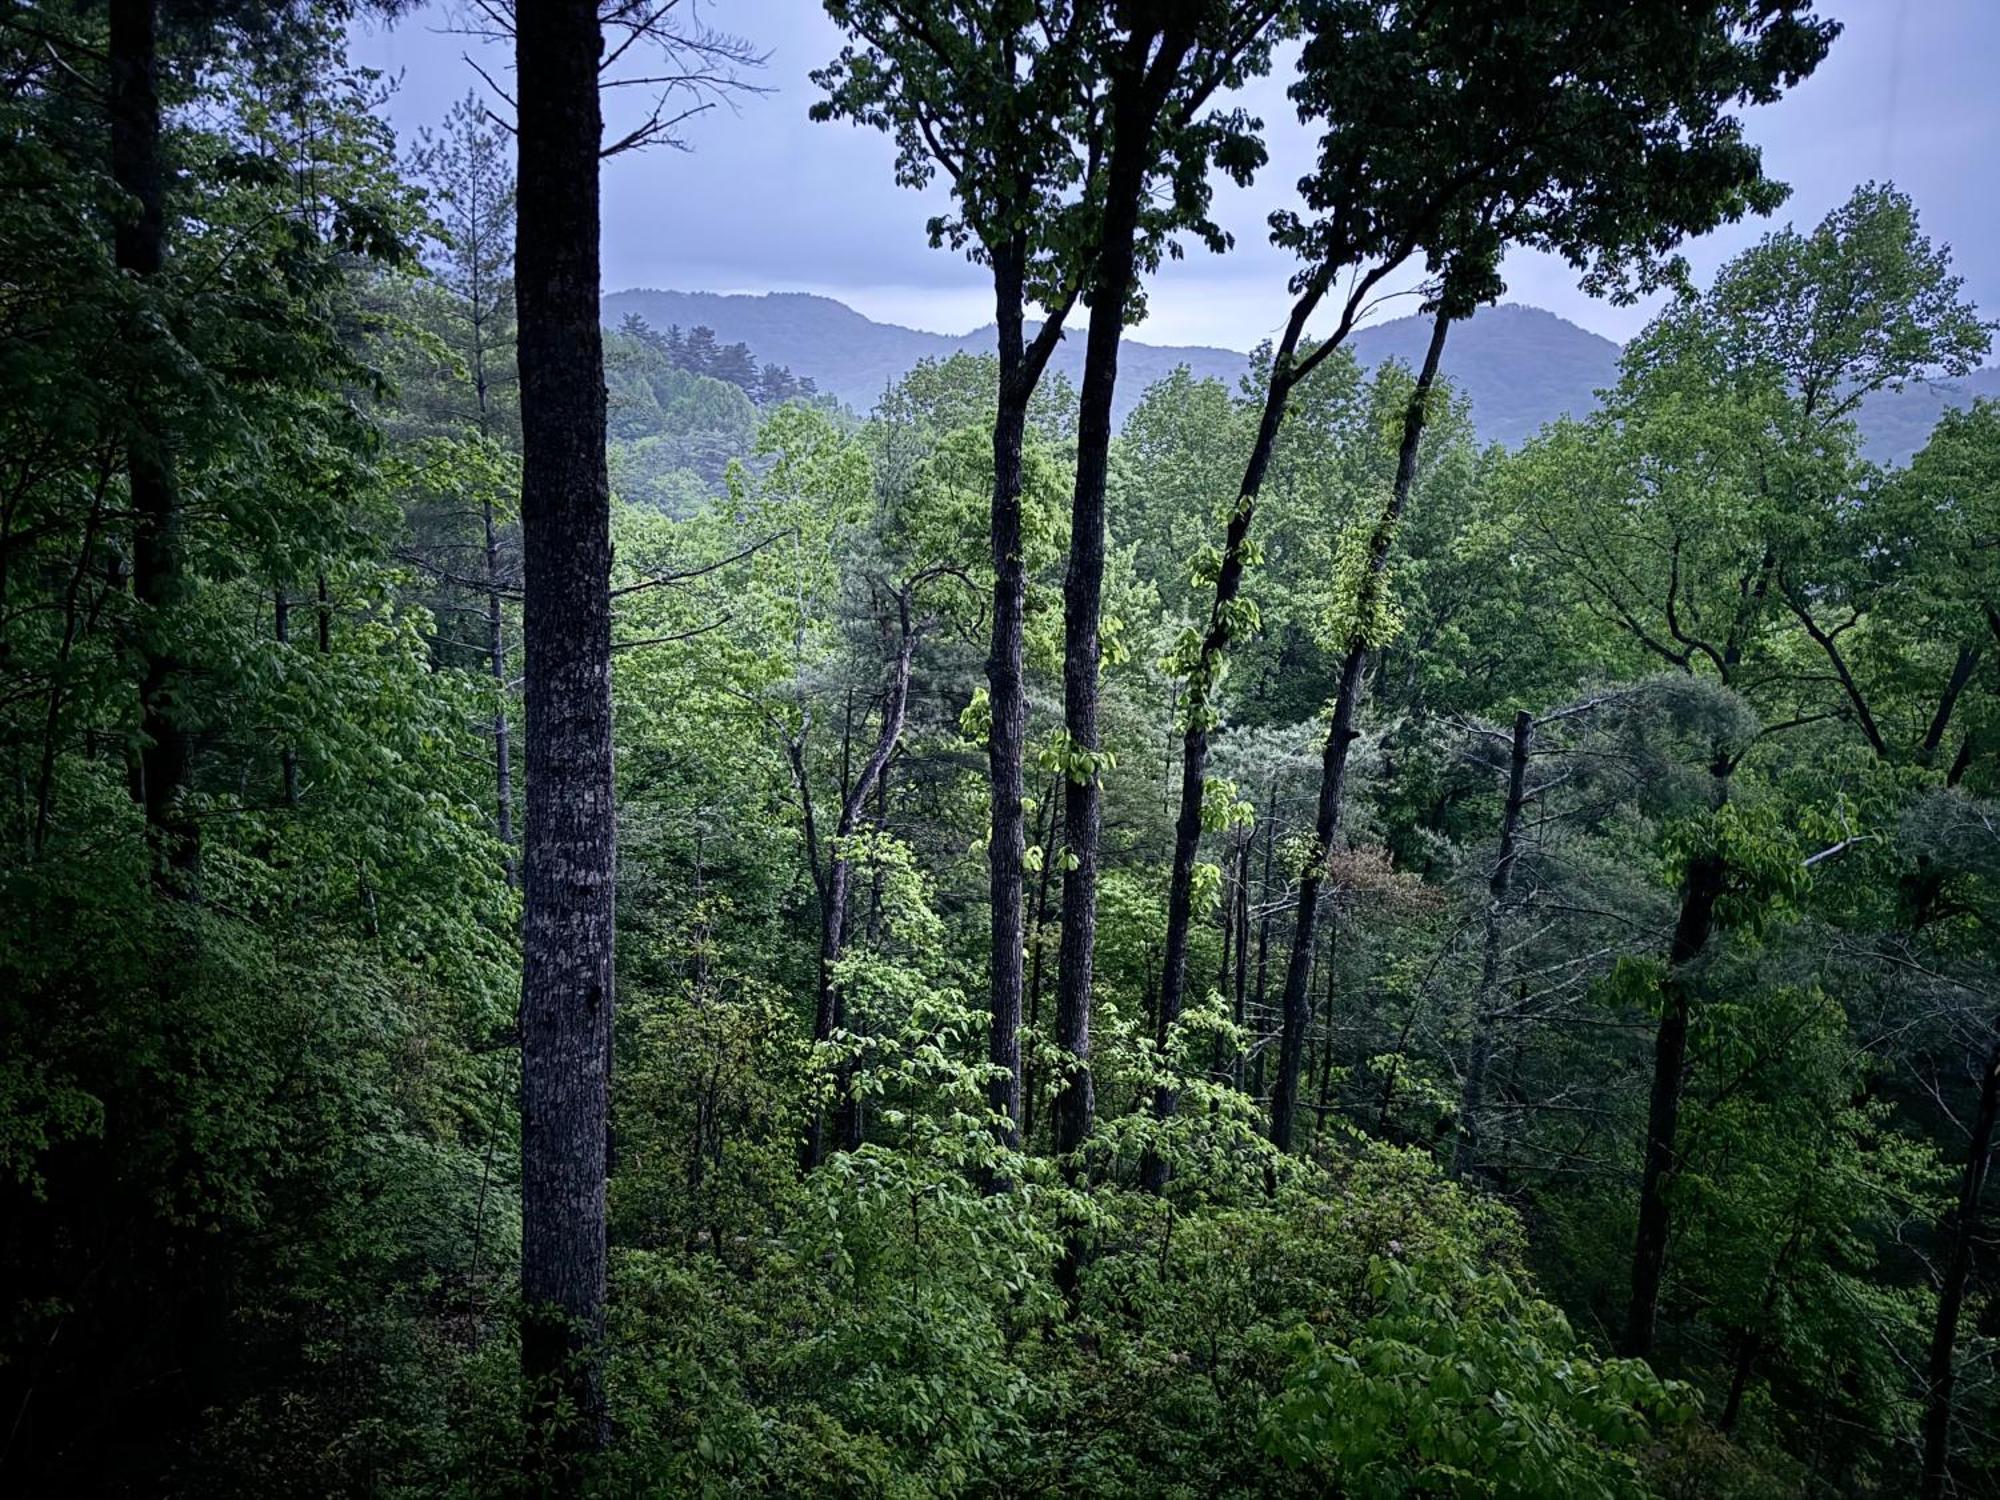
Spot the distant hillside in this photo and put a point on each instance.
(1519, 366)
(1895, 424)
(856, 358)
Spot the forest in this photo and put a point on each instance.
(580, 917)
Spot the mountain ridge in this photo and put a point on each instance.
(1518, 365)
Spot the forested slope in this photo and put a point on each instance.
(1175, 936)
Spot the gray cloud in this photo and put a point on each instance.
(767, 200)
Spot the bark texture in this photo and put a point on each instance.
(1138, 94)
(569, 850)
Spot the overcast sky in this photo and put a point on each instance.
(765, 200)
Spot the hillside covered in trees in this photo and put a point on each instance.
(1519, 368)
(581, 913)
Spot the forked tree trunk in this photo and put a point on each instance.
(831, 1012)
(1137, 96)
(1340, 736)
(568, 856)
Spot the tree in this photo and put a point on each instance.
(569, 851)
(1365, 617)
(1735, 420)
(1162, 71)
(1008, 105)
(164, 760)
(1605, 155)
(471, 183)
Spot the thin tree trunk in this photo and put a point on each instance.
(1465, 1157)
(1699, 892)
(1340, 737)
(1326, 1042)
(288, 756)
(1939, 1375)
(1263, 949)
(1240, 918)
(568, 858)
(1205, 677)
(831, 1012)
(1751, 1343)
(158, 569)
(496, 659)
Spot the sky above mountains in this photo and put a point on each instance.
(765, 200)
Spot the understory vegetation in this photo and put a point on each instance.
(1504, 982)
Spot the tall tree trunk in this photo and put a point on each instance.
(158, 571)
(1938, 1379)
(1263, 1012)
(1700, 890)
(1205, 677)
(1021, 365)
(1465, 1156)
(1340, 736)
(568, 857)
(1239, 917)
(1006, 748)
(831, 1012)
(1138, 93)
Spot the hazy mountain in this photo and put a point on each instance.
(1895, 424)
(1519, 366)
(857, 358)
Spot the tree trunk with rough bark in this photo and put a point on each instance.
(1340, 736)
(1137, 96)
(1006, 744)
(1022, 362)
(569, 852)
